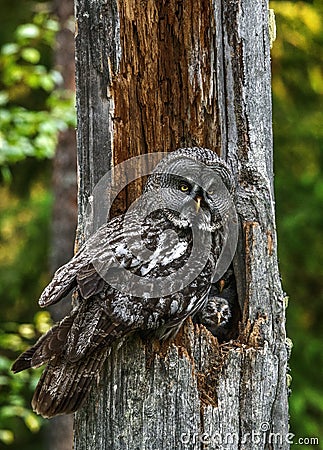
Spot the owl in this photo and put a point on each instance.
(221, 314)
(144, 271)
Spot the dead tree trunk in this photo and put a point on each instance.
(59, 433)
(154, 76)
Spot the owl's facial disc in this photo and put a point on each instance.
(195, 210)
(187, 204)
(193, 194)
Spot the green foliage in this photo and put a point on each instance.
(298, 117)
(23, 272)
(32, 113)
(16, 390)
(24, 130)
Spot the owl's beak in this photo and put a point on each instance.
(198, 200)
(219, 317)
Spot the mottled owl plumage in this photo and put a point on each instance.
(221, 314)
(110, 306)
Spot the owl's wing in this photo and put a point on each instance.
(114, 246)
(79, 270)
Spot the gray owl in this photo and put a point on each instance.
(144, 271)
(221, 314)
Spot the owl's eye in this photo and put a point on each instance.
(184, 187)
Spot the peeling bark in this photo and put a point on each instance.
(153, 76)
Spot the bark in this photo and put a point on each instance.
(154, 76)
(64, 167)
(59, 433)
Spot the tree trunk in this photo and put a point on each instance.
(59, 433)
(153, 76)
(64, 168)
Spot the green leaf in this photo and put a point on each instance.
(47, 82)
(43, 321)
(7, 436)
(5, 116)
(27, 31)
(10, 341)
(48, 127)
(5, 171)
(9, 49)
(31, 55)
(4, 97)
(4, 381)
(33, 422)
(4, 362)
(52, 25)
(27, 330)
(56, 77)
(12, 411)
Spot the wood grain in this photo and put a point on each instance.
(152, 76)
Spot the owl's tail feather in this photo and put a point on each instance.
(64, 386)
(46, 347)
(67, 379)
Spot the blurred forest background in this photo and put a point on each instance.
(36, 112)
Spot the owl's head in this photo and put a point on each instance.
(217, 313)
(194, 186)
